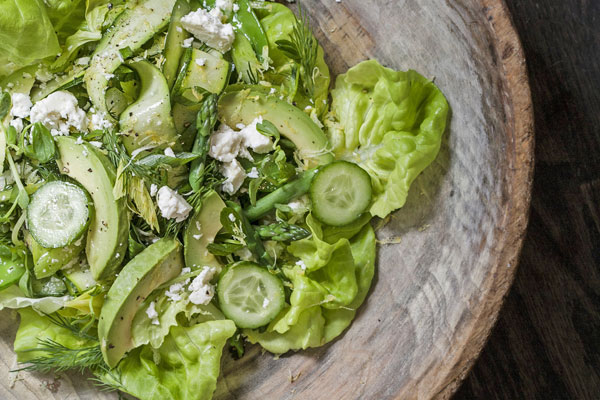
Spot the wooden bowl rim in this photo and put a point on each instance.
(443, 381)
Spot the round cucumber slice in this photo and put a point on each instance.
(58, 214)
(250, 295)
(340, 193)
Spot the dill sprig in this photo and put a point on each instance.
(77, 326)
(58, 358)
(302, 48)
(118, 155)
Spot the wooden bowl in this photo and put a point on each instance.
(437, 292)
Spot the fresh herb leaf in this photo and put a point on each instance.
(58, 358)
(302, 48)
(38, 144)
(156, 160)
(205, 123)
(268, 129)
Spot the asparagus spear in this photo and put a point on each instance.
(282, 232)
(282, 195)
(253, 241)
(205, 123)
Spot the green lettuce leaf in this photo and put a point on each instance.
(391, 124)
(327, 292)
(65, 15)
(143, 331)
(35, 327)
(26, 34)
(185, 367)
(278, 22)
(13, 297)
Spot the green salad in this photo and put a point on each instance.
(177, 178)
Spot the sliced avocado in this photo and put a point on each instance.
(109, 230)
(47, 261)
(201, 231)
(244, 103)
(196, 79)
(155, 265)
(148, 121)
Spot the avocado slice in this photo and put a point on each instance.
(201, 231)
(155, 265)
(243, 103)
(109, 229)
(47, 261)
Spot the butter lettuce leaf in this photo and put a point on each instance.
(185, 367)
(26, 34)
(338, 274)
(35, 327)
(391, 124)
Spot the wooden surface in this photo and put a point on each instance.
(546, 344)
(439, 286)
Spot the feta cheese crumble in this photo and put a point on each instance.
(201, 291)
(255, 140)
(301, 264)
(21, 105)
(201, 61)
(99, 122)
(234, 174)
(187, 42)
(253, 173)
(152, 314)
(59, 112)
(224, 144)
(172, 205)
(207, 26)
(17, 123)
(169, 152)
(153, 189)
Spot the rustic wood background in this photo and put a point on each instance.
(546, 344)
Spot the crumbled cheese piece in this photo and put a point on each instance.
(172, 204)
(152, 314)
(272, 91)
(225, 5)
(234, 174)
(174, 291)
(301, 264)
(225, 144)
(153, 189)
(97, 144)
(79, 140)
(253, 173)
(207, 26)
(179, 29)
(109, 76)
(236, 8)
(201, 291)
(169, 152)
(197, 237)
(17, 123)
(21, 105)
(300, 204)
(43, 74)
(231, 217)
(82, 61)
(59, 112)
(187, 42)
(201, 61)
(255, 140)
(99, 122)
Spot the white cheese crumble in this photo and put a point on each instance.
(152, 314)
(225, 144)
(17, 123)
(253, 173)
(153, 189)
(234, 174)
(301, 264)
(21, 105)
(172, 205)
(179, 29)
(99, 122)
(207, 26)
(201, 61)
(169, 152)
(225, 5)
(187, 42)
(300, 204)
(236, 8)
(201, 291)
(79, 140)
(255, 140)
(59, 112)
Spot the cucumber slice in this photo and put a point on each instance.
(250, 295)
(58, 214)
(340, 193)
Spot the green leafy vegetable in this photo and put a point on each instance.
(5, 105)
(157, 160)
(38, 143)
(205, 123)
(185, 367)
(390, 123)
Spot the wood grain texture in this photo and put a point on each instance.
(437, 293)
(547, 341)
